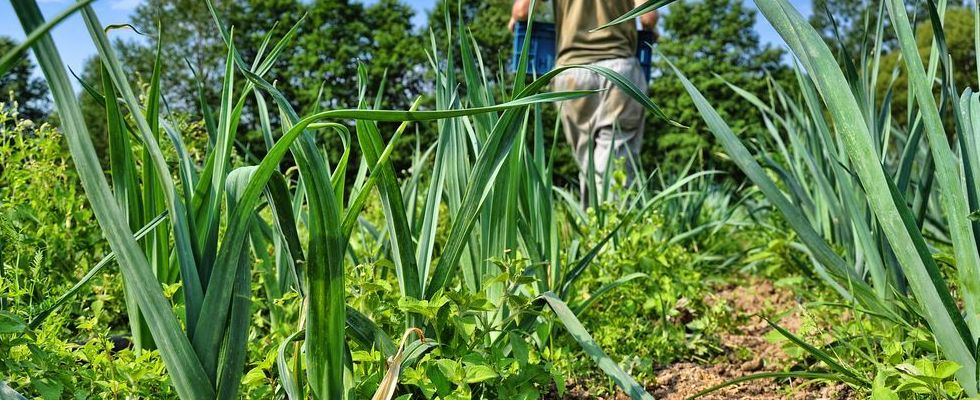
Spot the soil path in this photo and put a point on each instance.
(760, 297)
(747, 351)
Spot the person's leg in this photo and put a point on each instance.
(619, 122)
(577, 118)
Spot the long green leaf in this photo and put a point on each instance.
(186, 373)
(651, 5)
(402, 241)
(191, 284)
(850, 375)
(794, 216)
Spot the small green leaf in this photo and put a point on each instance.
(519, 348)
(946, 369)
(880, 389)
(909, 369)
(9, 323)
(476, 373)
(48, 389)
(254, 376)
(451, 370)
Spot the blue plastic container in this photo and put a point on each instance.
(541, 53)
(644, 53)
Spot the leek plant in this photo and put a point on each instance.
(173, 221)
(520, 219)
(848, 177)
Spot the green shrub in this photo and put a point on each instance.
(41, 201)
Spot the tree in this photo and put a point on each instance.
(335, 36)
(486, 20)
(958, 30)
(713, 42)
(844, 17)
(396, 51)
(340, 34)
(29, 91)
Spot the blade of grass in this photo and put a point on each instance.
(794, 216)
(402, 241)
(849, 375)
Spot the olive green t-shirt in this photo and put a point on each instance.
(575, 18)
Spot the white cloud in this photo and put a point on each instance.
(125, 5)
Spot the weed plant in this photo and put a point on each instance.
(472, 251)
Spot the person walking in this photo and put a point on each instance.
(610, 123)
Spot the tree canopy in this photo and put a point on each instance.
(19, 83)
(335, 36)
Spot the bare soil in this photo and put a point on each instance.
(747, 352)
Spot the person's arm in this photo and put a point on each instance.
(649, 20)
(519, 12)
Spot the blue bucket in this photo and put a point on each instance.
(541, 52)
(644, 51)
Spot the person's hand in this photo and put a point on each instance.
(519, 12)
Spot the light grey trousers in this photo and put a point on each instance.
(611, 121)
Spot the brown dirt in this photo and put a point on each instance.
(747, 352)
(759, 298)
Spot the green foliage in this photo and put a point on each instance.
(187, 279)
(313, 74)
(41, 362)
(901, 359)
(900, 278)
(269, 281)
(714, 42)
(657, 319)
(41, 200)
(473, 359)
(46, 238)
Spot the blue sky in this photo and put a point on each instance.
(73, 40)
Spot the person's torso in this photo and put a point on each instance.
(575, 18)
